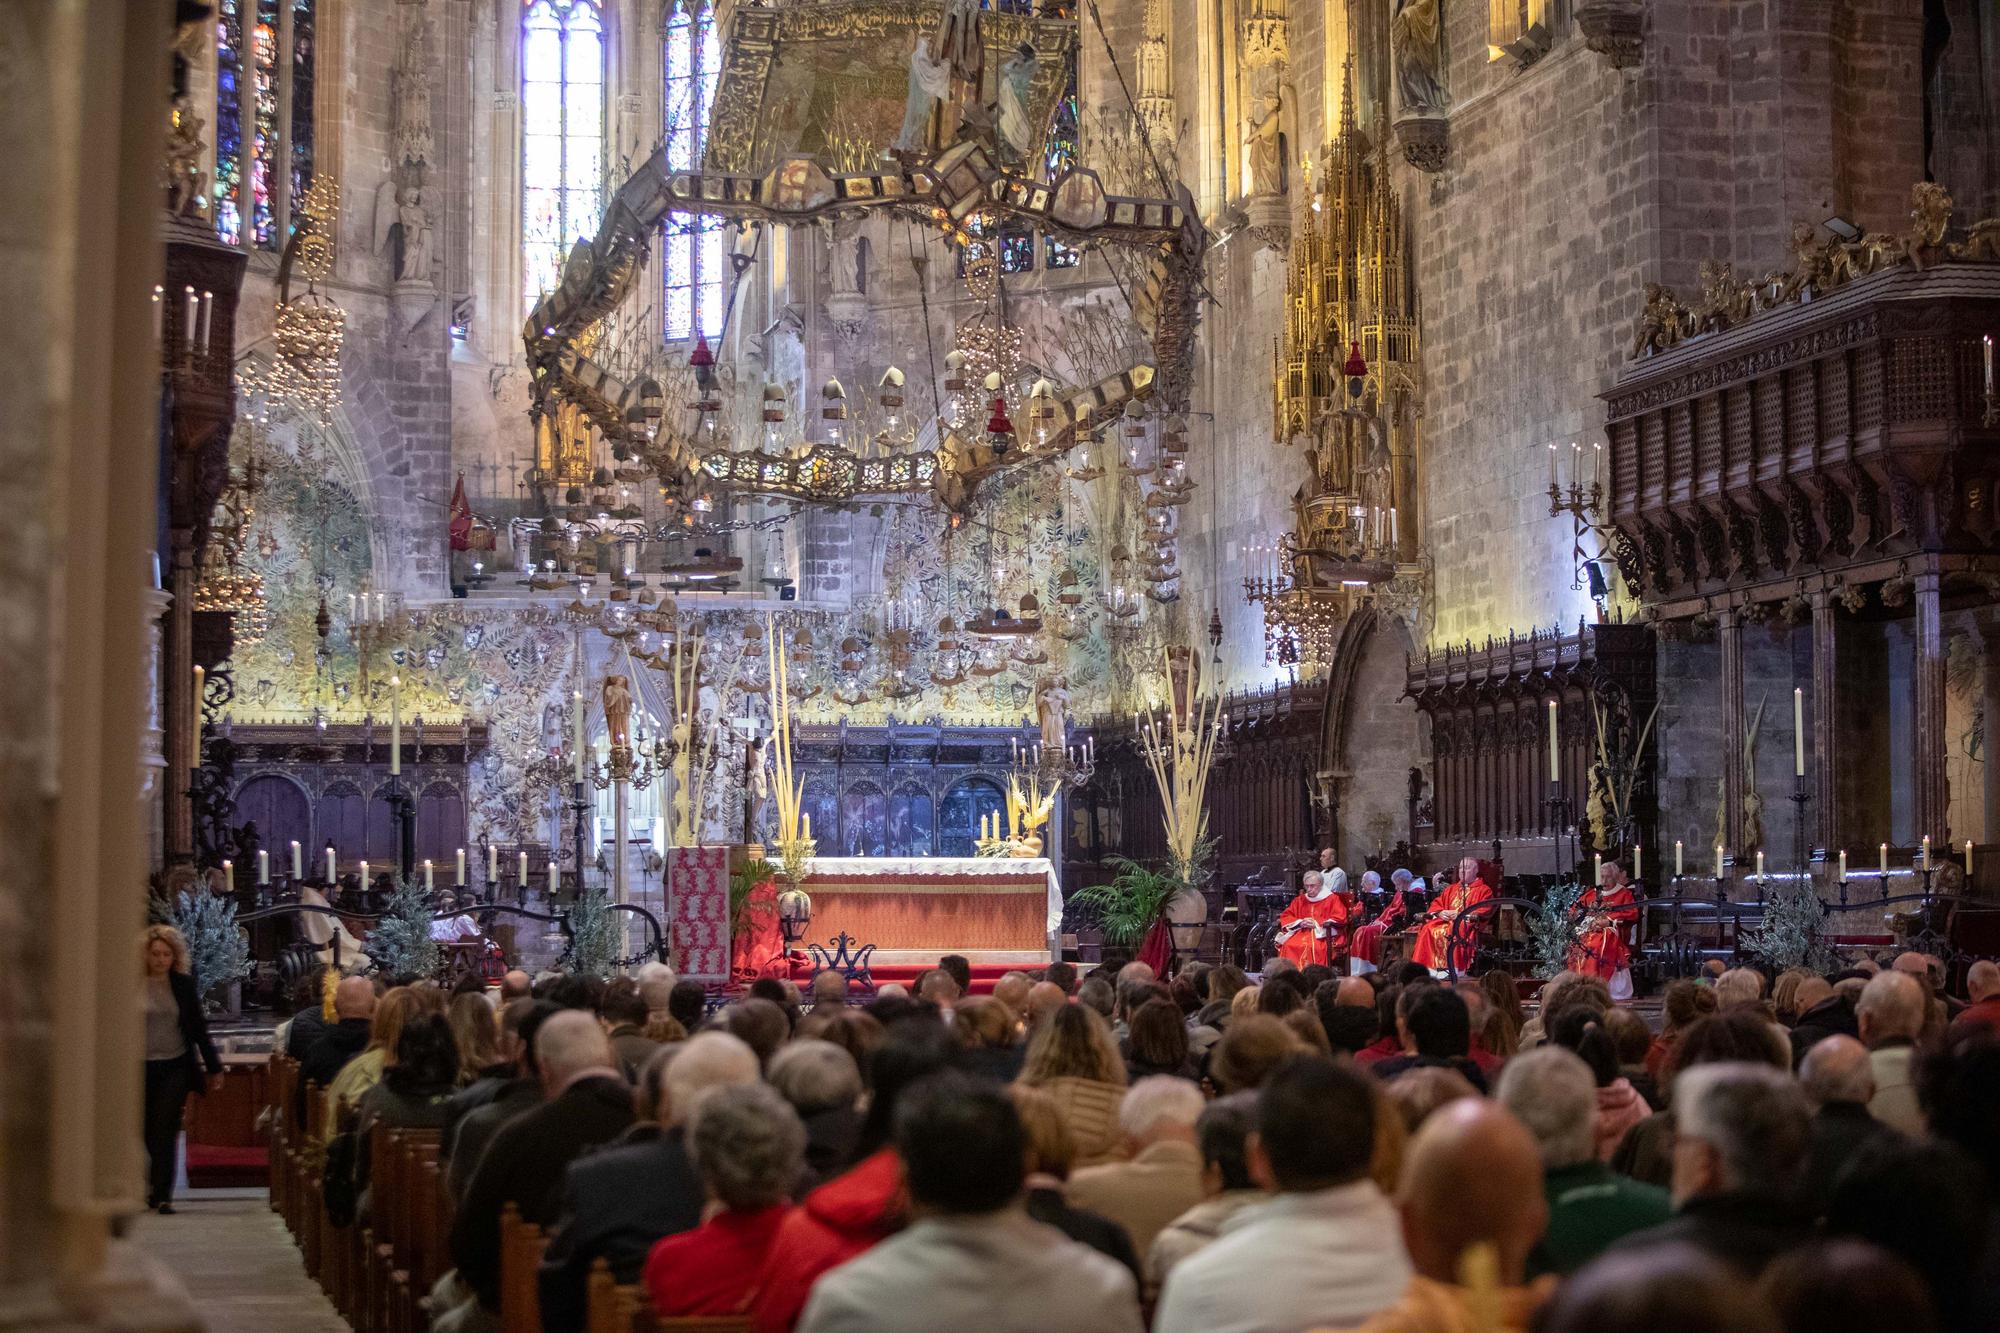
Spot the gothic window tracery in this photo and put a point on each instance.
(693, 245)
(562, 135)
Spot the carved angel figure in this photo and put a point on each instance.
(930, 83)
(1661, 325)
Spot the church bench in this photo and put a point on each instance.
(521, 1246)
(612, 1307)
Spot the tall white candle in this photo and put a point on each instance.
(806, 826)
(1798, 731)
(1718, 860)
(555, 873)
(330, 875)
(461, 867)
(1555, 758)
(298, 870)
(264, 863)
(364, 874)
(522, 875)
(1638, 861)
(1926, 862)
(1968, 858)
(430, 884)
(228, 876)
(659, 833)
(1760, 867)
(576, 729)
(492, 863)
(1885, 858)
(1597, 869)
(194, 753)
(1843, 865)
(395, 725)
(1677, 859)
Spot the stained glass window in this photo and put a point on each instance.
(562, 135)
(694, 253)
(263, 118)
(229, 122)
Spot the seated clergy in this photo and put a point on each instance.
(1435, 934)
(1313, 926)
(1605, 912)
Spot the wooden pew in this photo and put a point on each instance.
(613, 1308)
(521, 1246)
(310, 1197)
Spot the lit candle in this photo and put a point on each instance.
(430, 884)
(1597, 869)
(1968, 858)
(330, 876)
(492, 864)
(1718, 860)
(1988, 343)
(1885, 858)
(395, 725)
(522, 877)
(1555, 760)
(806, 824)
(1393, 539)
(188, 319)
(364, 874)
(555, 873)
(1760, 867)
(352, 617)
(1552, 465)
(1843, 865)
(1798, 732)
(228, 876)
(298, 870)
(194, 755)
(1638, 861)
(1926, 862)
(1677, 858)
(461, 867)
(576, 729)
(207, 313)
(264, 863)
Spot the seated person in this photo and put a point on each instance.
(1605, 911)
(1434, 935)
(748, 1147)
(1367, 947)
(1313, 926)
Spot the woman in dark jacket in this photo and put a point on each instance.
(178, 1050)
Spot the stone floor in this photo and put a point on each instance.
(238, 1263)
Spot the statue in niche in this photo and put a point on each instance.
(187, 183)
(552, 727)
(1051, 708)
(1016, 90)
(1264, 139)
(403, 228)
(844, 253)
(1416, 37)
(930, 84)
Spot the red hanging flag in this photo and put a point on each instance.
(461, 517)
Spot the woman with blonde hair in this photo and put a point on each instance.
(178, 1049)
(476, 1030)
(1050, 1149)
(1074, 1058)
(364, 1071)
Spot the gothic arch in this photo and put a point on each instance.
(1369, 736)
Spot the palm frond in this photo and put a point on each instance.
(1128, 906)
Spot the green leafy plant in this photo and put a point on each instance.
(400, 942)
(595, 936)
(1792, 934)
(218, 952)
(1553, 931)
(742, 882)
(1128, 906)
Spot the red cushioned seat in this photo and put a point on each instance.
(214, 1166)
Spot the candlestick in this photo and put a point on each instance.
(298, 870)
(194, 755)
(228, 876)
(576, 729)
(1843, 865)
(1798, 732)
(395, 725)
(461, 867)
(1677, 859)
(430, 884)
(264, 863)
(522, 877)
(1885, 858)
(1555, 759)
(330, 876)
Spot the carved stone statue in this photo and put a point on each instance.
(844, 257)
(1416, 37)
(1265, 142)
(1051, 707)
(415, 221)
(552, 728)
(187, 183)
(930, 84)
(760, 768)
(618, 710)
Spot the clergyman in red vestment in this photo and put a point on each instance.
(1313, 926)
(1452, 901)
(1600, 949)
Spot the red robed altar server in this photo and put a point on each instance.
(1313, 925)
(1600, 949)
(1435, 933)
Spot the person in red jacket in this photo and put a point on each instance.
(1605, 911)
(851, 1213)
(1368, 938)
(1435, 934)
(1313, 926)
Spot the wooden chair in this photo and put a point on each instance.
(521, 1246)
(611, 1307)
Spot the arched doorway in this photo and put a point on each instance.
(1370, 738)
(282, 813)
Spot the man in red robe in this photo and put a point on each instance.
(1600, 949)
(1313, 926)
(1368, 938)
(1434, 935)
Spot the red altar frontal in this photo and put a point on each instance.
(993, 910)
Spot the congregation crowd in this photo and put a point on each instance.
(1203, 1153)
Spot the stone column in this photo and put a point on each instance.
(1729, 633)
(1929, 772)
(1825, 790)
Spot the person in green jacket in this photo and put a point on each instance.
(1553, 1093)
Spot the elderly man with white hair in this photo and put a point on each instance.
(617, 1203)
(656, 986)
(823, 1084)
(1313, 926)
(1982, 987)
(1740, 1140)
(1162, 1178)
(1552, 1091)
(1838, 1079)
(1891, 1013)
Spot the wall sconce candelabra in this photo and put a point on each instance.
(1583, 500)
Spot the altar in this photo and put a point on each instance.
(997, 911)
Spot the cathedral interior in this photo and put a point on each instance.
(522, 445)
